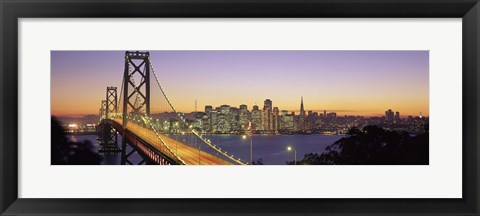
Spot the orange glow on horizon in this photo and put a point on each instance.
(363, 110)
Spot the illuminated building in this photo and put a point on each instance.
(208, 112)
(225, 109)
(287, 123)
(267, 115)
(234, 118)
(243, 117)
(397, 117)
(223, 123)
(275, 119)
(256, 118)
(389, 116)
(302, 110)
(198, 121)
(331, 116)
(301, 117)
(214, 120)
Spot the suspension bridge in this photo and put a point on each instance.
(171, 140)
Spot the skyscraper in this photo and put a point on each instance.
(397, 117)
(302, 110)
(208, 112)
(214, 120)
(275, 119)
(267, 115)
(256, 118)
(243, 117)
(287, 123)
(389, 116)
(301, 117)
(267, 104)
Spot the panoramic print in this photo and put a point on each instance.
(239, 107)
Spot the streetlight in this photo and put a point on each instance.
(290, 149)
(251, 147)
(251, 150)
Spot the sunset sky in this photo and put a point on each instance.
(347, 82)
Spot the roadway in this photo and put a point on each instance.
(190, 155)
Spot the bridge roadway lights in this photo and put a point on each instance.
(149, 154)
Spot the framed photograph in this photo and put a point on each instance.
(239, 108)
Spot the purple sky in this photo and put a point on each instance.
(349, 82)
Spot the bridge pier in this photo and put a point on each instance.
(123, 159)
(109, 139)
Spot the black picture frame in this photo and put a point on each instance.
(12, 10)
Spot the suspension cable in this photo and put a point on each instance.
(146, 118)
(206, 141)
(119, 102)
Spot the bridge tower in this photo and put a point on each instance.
(136, 91)
(108, 133)
(111, 106)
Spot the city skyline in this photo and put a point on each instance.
(269, 119)
(359, 83)
(297, 112)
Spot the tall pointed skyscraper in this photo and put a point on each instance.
(302, 110)
(301, 117)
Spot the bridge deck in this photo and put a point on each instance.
(190, 155)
